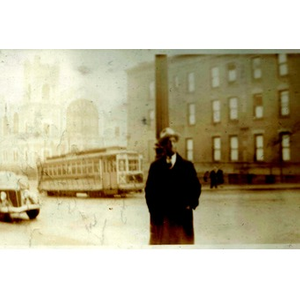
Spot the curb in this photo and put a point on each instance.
(252, 188)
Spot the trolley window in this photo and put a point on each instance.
(108, 166)
(78, 167)
(84, 168)
(96, 166)
(114, 166)
(122, 165)
(64, 169)
(133, 164)
(59, 170)
(104, 166)
(50, 171)
(74, 168)
(54, 170)
(90, 167)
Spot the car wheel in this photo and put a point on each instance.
(5, 217)
(32, 214)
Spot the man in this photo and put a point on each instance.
(172, 192)
(213, 178)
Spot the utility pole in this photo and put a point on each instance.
(162, 96)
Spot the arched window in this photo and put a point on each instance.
(5, 126)
(16, 123)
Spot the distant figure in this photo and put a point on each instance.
(213, 178)
(220, 177)
(206, 176)
(172, 193)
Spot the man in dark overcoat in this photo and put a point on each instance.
(172, 193)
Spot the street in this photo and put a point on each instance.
(248, 218)
(225, 218)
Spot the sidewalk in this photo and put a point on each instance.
(274, 186)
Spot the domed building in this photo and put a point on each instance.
(45, 123)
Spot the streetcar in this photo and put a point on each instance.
(97, 172)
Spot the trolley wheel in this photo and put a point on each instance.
(95, 194)
(32, 214)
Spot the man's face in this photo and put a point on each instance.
(170, 146)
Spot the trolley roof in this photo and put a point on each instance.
(91, 153)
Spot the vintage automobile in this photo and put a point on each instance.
(16, 197)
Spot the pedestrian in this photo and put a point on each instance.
(206, 176)
(213, 178)
(220, 177)
(172, 193)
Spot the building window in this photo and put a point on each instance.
(16, 155)
(216, 108)
(231, 73)
(284, 103)
(233, 108)
(282, 64)
(258, 106)
(216, 148)
(5, 126)
(189, 149)
(151, 117)
(152, 90)
(259, 147)
(285, 147)
(215, 77)
(234, 148)
(16, 123)
(191, 82)
(256, 67)
(192, 114)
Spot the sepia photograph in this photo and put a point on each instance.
(150, 148)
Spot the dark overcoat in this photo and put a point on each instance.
(171, 196)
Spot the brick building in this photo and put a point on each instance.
(239, 112)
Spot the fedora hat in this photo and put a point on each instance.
(167, 133)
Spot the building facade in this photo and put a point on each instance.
(237, 112)
(50, 120)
